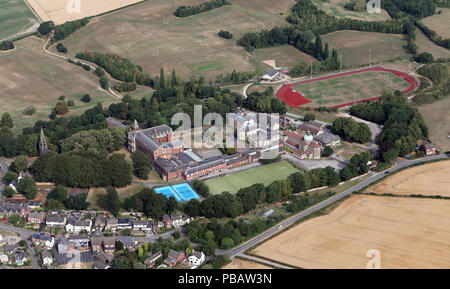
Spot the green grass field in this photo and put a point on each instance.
(149, 35)
(28, 76)
(347, 88)
(265, 175)
(354, 46)
(15, 18)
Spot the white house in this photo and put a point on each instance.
(196, 258)
(77, 226)
(47, 258)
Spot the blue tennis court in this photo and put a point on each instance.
(185, 191)
(168, 192)
(182, 192)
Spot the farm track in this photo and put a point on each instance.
(44, 48)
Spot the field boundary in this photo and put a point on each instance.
(296, 99)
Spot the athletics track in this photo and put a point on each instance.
(295, 99)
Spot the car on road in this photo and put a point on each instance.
(279, 227)
(386, 172)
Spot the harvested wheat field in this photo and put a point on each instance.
(62, 11)
(239, 263)
(408, 233)
(429, 180)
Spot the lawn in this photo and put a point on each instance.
(149, 35)
(265, 175)
(348, 88)
(284, 56)
(354, 46)
(28, 76)
(15, 19)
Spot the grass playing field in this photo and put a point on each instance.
(15, 18)
(345, 89)
(28, 76)
(439, 22)
(336, 8)
(149, 35)
(354, 46)
(265, 175)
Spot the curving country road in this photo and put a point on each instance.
(240, 250)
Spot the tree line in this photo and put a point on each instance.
(120, 68)
(185, 11)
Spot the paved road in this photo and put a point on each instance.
(266, 234)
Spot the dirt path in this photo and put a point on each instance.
(44, 48)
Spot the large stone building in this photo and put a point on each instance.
(302, 144)
(156, 141)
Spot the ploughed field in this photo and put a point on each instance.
(407, 232)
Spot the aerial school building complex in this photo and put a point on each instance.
(172, 161)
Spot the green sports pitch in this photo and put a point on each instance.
(265, 175)
(15, 18)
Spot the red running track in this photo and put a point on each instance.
(295, 99)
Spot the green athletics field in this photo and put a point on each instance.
(344, 89)
(265, 175)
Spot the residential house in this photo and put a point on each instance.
(100, 222)
(428, 148)
(96, 244)
(124, 224)
(167, 221)
(111, 224)
(76, 226)
(173, 258)
(47, 258)
(109, 245)
(151, 260)
(35, 218)
(42, 240)
(176, 220)
(20, 257)
(140, 226)
(55, 220)
(196, 258)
